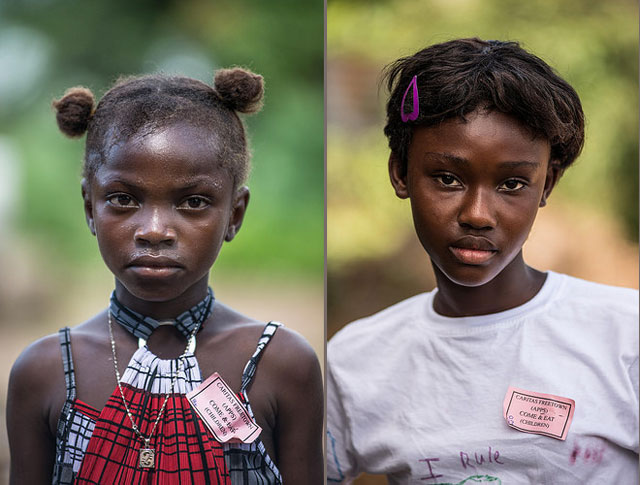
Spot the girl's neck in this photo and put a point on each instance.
(163, 310)
(514, 286)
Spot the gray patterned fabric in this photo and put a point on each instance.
(142, 326)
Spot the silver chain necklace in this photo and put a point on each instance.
(146, 455)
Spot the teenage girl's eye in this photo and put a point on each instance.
(122, 200)
(448, 180)
(194, 202)
(511, 185)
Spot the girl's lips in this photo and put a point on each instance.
(472, 256)
(147, 266)
(154, 271)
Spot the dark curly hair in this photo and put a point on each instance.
(151, 102)
(457, 77)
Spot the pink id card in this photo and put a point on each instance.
(538, 413)
(222, 412)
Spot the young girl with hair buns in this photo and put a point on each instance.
(167, 385)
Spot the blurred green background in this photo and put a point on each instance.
(51, 272)
(589, 228)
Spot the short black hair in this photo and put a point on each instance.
(457, 77)
(155, 101)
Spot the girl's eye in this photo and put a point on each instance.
(194, 202)
(448, 180)
(122, 200)
(511, 185)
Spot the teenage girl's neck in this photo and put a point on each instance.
(514, 286)
(163, 309)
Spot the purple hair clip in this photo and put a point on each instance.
(416, 106)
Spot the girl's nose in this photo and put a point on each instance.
(476, 211)
(155, 227)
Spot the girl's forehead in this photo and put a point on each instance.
(177, 152)
(180, 140)
(493, 135)
(485, 124)
(175, 136)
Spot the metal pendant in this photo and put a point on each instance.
(147, 457)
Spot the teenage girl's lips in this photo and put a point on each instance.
(472, 256)
(473, 250)
(154, 266)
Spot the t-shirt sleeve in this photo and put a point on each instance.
(341, 467)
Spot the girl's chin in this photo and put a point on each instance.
(156, 293)
(468, 276)
(162, 290)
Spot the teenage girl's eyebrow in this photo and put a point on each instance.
(448, 157)
(520, 164)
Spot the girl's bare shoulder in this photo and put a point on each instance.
(39, 362)
(290, 354)
(285, 347)
(36, 381)
(39, 366)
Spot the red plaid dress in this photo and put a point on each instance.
(100, 447)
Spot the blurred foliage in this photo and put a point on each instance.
(47, 46)
(349, 184)
(593, 45)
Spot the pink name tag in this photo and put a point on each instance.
(534, 412)
(222, 412)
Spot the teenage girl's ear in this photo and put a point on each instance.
(398, 176)
(88, 206)
(554, 172)
(238, 209)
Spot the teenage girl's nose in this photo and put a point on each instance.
(155, 226)
(476, 209)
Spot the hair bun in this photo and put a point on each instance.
(74, 111)
(240, 89)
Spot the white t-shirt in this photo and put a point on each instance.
(418, 397)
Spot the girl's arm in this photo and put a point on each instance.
(298, 432)
(30, 397)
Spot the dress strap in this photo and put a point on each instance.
(250, 369)
(67, 362)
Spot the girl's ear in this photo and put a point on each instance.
(88, 206)
(398, 176)
(554, 172)
(238, 209)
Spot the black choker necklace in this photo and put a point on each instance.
(141, 326)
